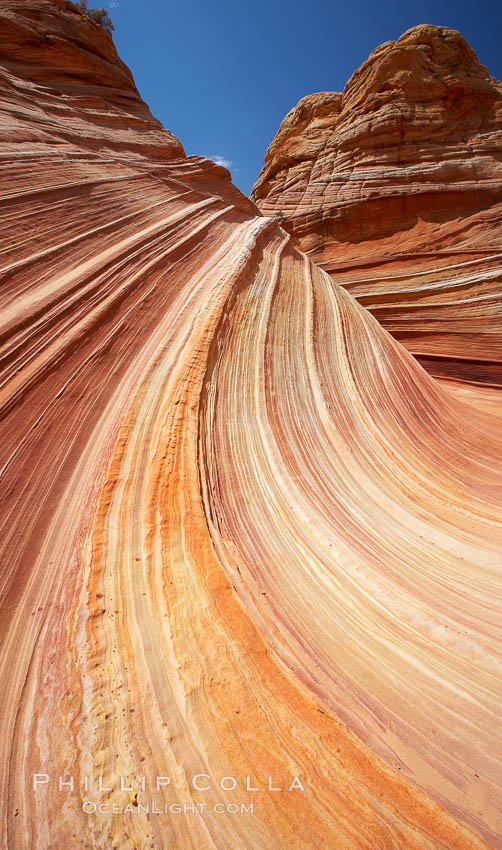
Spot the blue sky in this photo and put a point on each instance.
(222, 75)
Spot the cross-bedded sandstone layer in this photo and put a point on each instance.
(395, 188)
(244, 534)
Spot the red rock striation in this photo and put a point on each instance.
(242, 532)
(395, 188)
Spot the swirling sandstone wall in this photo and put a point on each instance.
(243, 532)
(395, 188)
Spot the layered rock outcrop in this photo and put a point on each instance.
(395, 187)
(243, 533)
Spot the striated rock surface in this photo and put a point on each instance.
(243, 533)
(395, 188)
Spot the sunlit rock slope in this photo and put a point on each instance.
(395, 188)
(243, 533)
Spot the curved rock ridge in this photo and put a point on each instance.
(395, 187)
(67, 95)
(243, 533)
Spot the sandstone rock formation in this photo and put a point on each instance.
(243, 532)
(395, 188)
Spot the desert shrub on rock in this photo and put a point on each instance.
(101, 16)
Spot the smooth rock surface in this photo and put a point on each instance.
(395, 188)
(243, 533)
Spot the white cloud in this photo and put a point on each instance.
(114, 4)
(220, 160)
